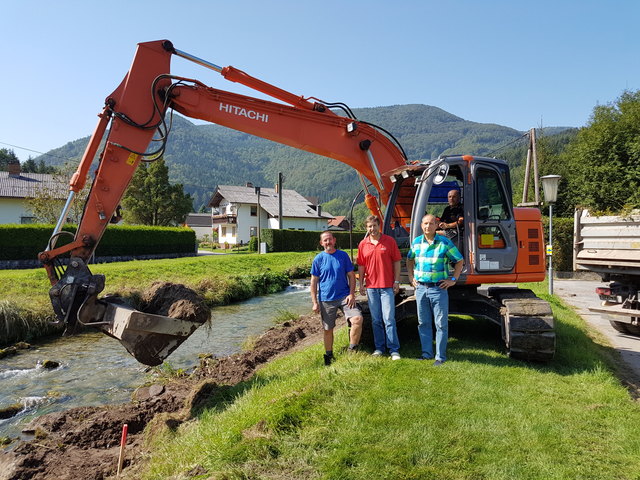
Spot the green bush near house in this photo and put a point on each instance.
(24, 242)
(302, 240)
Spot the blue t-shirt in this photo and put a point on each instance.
(331, 270)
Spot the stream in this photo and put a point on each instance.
(96, 370)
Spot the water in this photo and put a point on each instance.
(96, 370)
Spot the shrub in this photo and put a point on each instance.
(118, 240)
(562, 242)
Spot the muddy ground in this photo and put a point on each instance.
(83, 443)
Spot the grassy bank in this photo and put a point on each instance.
(480, 416)
(25, 309)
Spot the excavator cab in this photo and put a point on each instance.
(500, 244)
(487, 238)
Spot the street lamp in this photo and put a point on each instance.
(550, 188)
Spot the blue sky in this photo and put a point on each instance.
(514, 63)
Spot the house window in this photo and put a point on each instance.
(224, 231)
(25, 220)
(253, 231)
(254, 210)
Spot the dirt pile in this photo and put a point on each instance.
(83, 443)
(175, 301)
(178, 310)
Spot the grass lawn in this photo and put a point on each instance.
(26, 287)
(479, 416)
(25, 308)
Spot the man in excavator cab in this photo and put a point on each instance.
(451, 221)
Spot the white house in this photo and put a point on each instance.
(17, 187)
(240, 208)
(200, 223)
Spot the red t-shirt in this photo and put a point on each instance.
(378, 261)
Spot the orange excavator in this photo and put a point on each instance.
(501, 244)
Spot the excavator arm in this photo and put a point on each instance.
(134, 112)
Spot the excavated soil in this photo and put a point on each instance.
(83, 443)
(176, 301)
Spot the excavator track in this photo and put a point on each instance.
(527, 324)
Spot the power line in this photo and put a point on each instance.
(34, 151)
(508, 144)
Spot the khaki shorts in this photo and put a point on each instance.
(329, 312)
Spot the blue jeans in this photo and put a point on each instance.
(433, 306)
(382, 306)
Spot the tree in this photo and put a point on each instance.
(6, 157)
(603, 163)
(48, 201)
(30, 166)
(152, 200)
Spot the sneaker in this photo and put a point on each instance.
(425, 358)
(328, 359)
(437, 363)
(377, 353)
(353, 349)
(395, 356)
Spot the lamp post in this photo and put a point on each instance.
(550, 188)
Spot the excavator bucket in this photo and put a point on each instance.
(149, 338)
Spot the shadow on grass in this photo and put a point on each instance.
(479, 340)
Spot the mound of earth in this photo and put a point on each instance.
(83, 443)
(176, 301)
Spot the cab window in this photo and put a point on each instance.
(492, 201)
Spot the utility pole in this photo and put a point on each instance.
(258, 214)
(532, 158)
(280, 180)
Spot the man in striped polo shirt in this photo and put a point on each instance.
(428, 267)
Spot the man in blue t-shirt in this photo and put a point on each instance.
(333, 286)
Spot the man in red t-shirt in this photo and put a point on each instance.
(379, 272)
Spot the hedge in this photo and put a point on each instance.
(301, 240)
(562, 242)
(24, 242)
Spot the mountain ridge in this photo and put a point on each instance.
(202, 156)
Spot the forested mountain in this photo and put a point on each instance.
(203, 156)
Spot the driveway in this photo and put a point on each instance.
(580, 294)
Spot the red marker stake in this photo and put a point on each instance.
(123, 442)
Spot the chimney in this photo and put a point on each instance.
(14, 169)
(319, 210)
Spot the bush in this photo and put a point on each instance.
(24, 242)
(303, 240)
(562, 242)
(253, 244)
